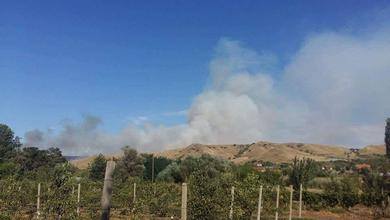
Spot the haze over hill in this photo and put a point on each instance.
(260, 151)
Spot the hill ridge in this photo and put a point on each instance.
(261, 151)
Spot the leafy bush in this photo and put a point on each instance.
(344, 192)
(97, 168)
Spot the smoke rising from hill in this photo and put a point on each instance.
(334, 90)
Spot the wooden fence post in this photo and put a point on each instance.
(231, 204)
(78, 198)
(277, 202)
(300, 201)
(107, 190)
(259, 203)
(184, 201)
(38, 200)
(291, 201)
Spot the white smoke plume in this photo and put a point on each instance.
(334, 90)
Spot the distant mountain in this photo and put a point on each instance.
(260, 151)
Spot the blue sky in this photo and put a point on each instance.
(119, 60)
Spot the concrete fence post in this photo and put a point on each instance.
(259, 203)
(184, 201)
(300, 201)
(231, 204)
(39, 201)
(78, 198)
(291, 202)
(134, 192)
(277, 202)
(107, 190)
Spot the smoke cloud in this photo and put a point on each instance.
(334, 90)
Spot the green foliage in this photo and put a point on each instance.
(208, 195)
(247, 192)
(8, 143)
(32, 158)
(7, 169)
(271, 177)
(171, 173)
(4, 216)
(60, 198)
(302, 172)
(242, 171)
(160, 163)
(90, 197)
(374, 186)
(15, 194)
(181, 170)
(97, 168)
(344, 192)
(315, 201)
(211, 165)
(130, 165)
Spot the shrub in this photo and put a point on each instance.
(344, 192)
(97, 167)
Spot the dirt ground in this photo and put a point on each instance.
(359, 212)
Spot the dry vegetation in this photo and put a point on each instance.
(265, 151)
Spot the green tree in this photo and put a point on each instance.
(32, 158)
(160, 163)
(8, 143)
(242, 171)
(213, 166)
(374, 189)
(97, 167)
(54, 156)
(130, 164)
(302, 172)
(171, 173)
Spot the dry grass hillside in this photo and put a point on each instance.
(83, 163)
(265, 151)
(373, 149)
